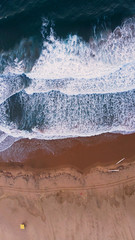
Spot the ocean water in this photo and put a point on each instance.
(67, 69)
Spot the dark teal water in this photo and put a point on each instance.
(66, 68)
(22, 19)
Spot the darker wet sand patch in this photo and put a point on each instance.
(79, 153)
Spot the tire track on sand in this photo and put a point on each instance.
(48, 189)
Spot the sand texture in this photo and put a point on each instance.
(81, 153)
(65, 204)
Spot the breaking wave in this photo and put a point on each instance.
(73, 89)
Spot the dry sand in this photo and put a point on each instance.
(94, 200)
(66, 204)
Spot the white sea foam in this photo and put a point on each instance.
(101, 74)
(11, 84)
(73, 66)
(13, 135)
(76, 67)
(6, 140)
(56, 115)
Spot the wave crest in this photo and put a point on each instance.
(74, 88)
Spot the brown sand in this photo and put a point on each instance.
(65, 204)
(94, 201)
(81, 153)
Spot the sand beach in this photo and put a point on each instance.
(91, 201)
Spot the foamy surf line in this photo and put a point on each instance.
(73, 89)
(56, 114)
(121, 80)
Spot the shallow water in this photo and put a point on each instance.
(67, 69)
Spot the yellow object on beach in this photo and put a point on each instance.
(22, 226)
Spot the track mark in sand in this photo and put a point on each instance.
(3, 196)
(79, 188)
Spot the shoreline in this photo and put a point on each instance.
(69, 202)
(78, 153)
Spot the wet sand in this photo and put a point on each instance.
(92, 198)
(81, 153)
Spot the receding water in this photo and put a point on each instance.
(79, 82)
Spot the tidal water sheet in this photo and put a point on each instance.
(73, 89)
